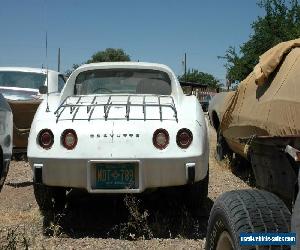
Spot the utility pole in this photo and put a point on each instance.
(58, 60)
(185, 67)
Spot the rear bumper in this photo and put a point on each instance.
(152, 173)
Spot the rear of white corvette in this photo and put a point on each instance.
(119, 142)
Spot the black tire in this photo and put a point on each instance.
(245, 211)
(222, 148)
(196, 194)
(49, 199)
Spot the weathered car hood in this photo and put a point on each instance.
(267, 102)
(14, 93)
(24, 103)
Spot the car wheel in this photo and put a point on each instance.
(49, 198)
(222, 148)
(244, 211)
(196, 194)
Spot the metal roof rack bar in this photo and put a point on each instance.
(170, 105)
(175, 110)
(79, 99)
(72, 109)
(59, 114)
(63, 103)
(160, 111)
(128, 108)
(107, 108)
(88, 108)
(144, 107)
(92, 111)
(75, 113)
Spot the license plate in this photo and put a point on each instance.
(115, 175)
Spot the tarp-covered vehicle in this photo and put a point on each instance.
(119, 128)
(6, 127)
(260, 121)
(21, 87)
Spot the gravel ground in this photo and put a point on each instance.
(93, 223)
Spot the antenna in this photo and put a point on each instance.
(58, 60)
(46, 59)
(47, 109)
(184, 66)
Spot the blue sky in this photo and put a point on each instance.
(154, 31)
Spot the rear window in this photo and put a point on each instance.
(123, 81)
(21, 79)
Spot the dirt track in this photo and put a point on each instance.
(93, 223)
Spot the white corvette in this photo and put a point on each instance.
(119, 128)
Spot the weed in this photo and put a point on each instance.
(52, 223)
(166, 219)
(137, 226)
(227, 162)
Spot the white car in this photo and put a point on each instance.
(120, 127)
(6, 128)
(23, 88)
(21, 83)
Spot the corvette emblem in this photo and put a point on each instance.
(112, 135)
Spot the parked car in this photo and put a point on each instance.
(21, 87)
(260, 121)
(205, 102)
(6, 120)
(203, 92)
(119, 128)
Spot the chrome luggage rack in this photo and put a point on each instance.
(74, 106)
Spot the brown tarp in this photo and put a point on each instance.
(267, 102)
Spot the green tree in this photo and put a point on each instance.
(69, 71)
(194, 75)
(109, 55)
(280, 23)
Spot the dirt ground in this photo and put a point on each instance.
(153, 222)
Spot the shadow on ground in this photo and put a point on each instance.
(19, 184)
(129, 217)
(242, 169)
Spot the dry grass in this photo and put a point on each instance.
(15, 238)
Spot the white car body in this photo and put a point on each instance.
(6, 129)
(119, 130)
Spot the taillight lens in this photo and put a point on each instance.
(69, 139)
(46, 138)
(161, 138)
(184, 138)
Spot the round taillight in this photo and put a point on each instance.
(161, 138)
(69, 139)
(46, 138)
(184, 138)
